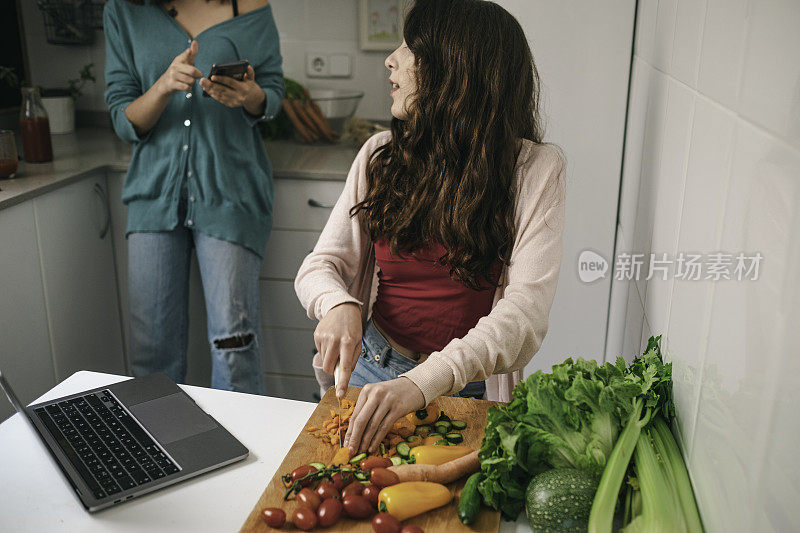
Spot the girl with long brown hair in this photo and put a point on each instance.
(437, 268)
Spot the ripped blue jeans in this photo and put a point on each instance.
(158, 280)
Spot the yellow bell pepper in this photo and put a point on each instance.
(411, 498)
(437, 455)
(431, 414)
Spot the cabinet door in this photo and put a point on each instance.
(25, 356)
(79, 278)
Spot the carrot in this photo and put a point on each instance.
(342, 456)
(444, 473)
(299, 110)
(326, 129)
(298, 125)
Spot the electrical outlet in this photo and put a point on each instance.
(317, 66)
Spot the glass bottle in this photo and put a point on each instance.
(34, 127)
(8, 154)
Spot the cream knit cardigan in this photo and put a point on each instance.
(341, 268)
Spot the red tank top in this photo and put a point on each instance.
(418, 305)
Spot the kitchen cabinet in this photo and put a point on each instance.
(25, 358)
(78, 273)
(301, 209)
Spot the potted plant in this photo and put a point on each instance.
(60, 103)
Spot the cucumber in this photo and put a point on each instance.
(361, 476)
(560, 499)
(469, 503)
(318, 466)
(403, 449)
(442, 427)
(459, 424)
(413, 440)
(423, 430)
(358, 458)
(441, 442)
(454, 438)
(396, 461)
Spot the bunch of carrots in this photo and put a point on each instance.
(305, 115)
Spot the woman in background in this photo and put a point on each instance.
(461, 206)
(199, 177)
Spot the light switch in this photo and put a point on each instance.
(339, 65)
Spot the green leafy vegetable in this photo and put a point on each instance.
(570, 417)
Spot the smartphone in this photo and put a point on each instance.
(234, 69)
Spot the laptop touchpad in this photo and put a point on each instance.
(172, 418)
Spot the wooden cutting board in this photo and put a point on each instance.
(307, 448)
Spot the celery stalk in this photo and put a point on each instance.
(601, 517)
(669, 453)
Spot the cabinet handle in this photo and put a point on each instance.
(101, 193)
(316, 203)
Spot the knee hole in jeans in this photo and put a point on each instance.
(240, 341)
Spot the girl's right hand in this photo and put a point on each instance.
(338, 336)
(181, 73)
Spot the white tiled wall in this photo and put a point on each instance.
(329, 26)
(712, 163)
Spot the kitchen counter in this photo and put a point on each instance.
(89, 150)
(34, 496)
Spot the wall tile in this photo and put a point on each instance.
(634, 141)
(665, 33)
(722, 51)
(646, 16)
(651, 158)
(770, 87)
(634, 319)
(688, 40)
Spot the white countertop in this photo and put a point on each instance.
(35, 497)
(92, 149)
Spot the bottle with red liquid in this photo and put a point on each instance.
(34, 128)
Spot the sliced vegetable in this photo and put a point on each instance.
(454, 438)
(459, 424)
(469, 502)
(414, 440)
(361, 476)
(424, 430)
(358, 458)
(318, 466)
(342, 456)
(403, 449)
(412, 498)
(442, 427)
(443, 417)
(441, 442)
(396, 461)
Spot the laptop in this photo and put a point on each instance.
(118, 442)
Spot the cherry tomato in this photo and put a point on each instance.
(309, 498)
(383, 477)
(412, 529)
(375, 462)
(357, 507)
(304, 518)
(371, 493)
(327, 490)
(329, 512)
(338, 481)
(273, 517)
(385, 523)
(301, 472)
(353, 489)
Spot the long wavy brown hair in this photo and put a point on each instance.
(447, 174)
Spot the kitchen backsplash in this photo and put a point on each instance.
(712, 164)
(305, 26)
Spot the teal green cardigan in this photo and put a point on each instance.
(215, 150)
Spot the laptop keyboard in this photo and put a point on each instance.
(105, 444)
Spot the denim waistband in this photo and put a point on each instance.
(377, 349)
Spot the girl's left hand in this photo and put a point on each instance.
(235, 93)
(379, 406)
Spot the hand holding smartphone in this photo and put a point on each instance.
(233, 69)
